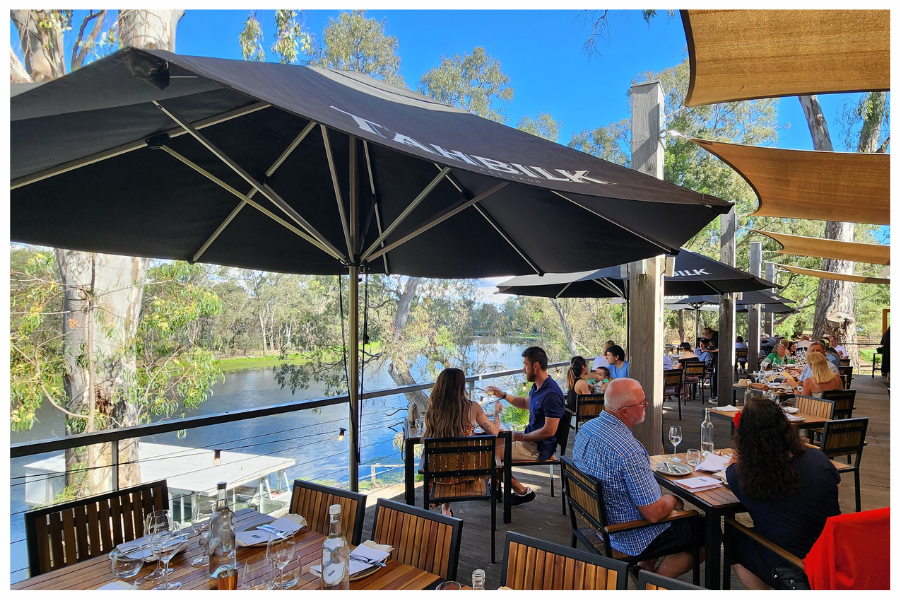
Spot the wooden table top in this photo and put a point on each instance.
(808, 420)
(720, 497)
(97, 572)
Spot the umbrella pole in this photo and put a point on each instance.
(354, 378)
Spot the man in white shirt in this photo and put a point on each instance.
(837, 347)
(804, 342)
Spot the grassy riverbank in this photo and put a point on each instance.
(246, 363)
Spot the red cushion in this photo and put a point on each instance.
(852, 553)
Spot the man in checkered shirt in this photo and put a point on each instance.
(606, 449)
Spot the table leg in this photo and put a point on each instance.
(713, 546)
(409, 469)
(507, 476)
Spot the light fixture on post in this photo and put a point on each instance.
(217, 457)
(341, 434)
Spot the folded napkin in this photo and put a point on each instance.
(698, 484)
(367, 549)
(289, 524)
(728, 408)
(794, 418)
(134, 545)
(116, 585)
(713, 463)
(139, 548)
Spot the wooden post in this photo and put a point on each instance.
(753, 310)
(645, 301)
(770, 276)
(725, 376)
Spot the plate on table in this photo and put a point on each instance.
(789, 409)
(364, 573)
(674, 469)
(795, 419)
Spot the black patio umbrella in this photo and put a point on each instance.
(305, 170)
(770, 302)
(693, 274)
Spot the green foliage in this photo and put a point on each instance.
(251, 38)
(290, 37)
(355, 43)
(611, 142)
(473, 82)
(866, 110)
(542, 126)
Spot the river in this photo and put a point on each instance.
(310, 438)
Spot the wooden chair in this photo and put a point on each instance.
(533, 564)
(740, 358)
(420, 538)
(673, 385)
(734, 529)
(461, 469)
(816, 407)
(844, 401)
(585, 498)
(651, 581)
(562, 440)
(846, 437)
(693, 375)
(312, 501)
(844, 362)
(65, 534)
(587, 406)
(846, 375)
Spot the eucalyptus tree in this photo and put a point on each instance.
(356, 43)
(474, 82)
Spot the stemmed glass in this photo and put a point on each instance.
(153, 521)
(675, 438)
(201, 513)
(124, 566)
(166, 544)
(280, 551)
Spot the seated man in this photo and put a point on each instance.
(546, 405)
(606, 449)
(842, 352)
(804, 342)
(806, 373)
(830, 353)
(618, 366)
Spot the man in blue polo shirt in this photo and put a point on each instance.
(546, 405)
(606, 449)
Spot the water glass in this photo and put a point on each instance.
(166, 543)
(280, 551)
(124, 566)
(158, 519)
(201, 513)
(256, 574)
(693, 457)
(675, 438)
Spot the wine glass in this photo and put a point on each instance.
(124, 566)
(280, 551)
(255, 574)
(201, 513)
(675, 438)
(166, 543)
(152, 521)
(693, 457)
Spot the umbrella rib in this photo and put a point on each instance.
(406, 211)
(244, 199)
(264, 190)
(604, 282)
(387, 269)
(617, 224)
(509, 241)
(125, 148)
(562, 290)
(440, 218)
(337, 190)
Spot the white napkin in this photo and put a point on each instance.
(289, 524)
(794, 418)
(697, 484)
(367, 549)
(130, 548)
(116, 585)
(713, 463)
(728, 408)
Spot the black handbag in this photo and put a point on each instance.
(790, 577)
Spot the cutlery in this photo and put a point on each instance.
(367, 561)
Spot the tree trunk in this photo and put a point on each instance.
(42, 52)
(153, 29)
(262, 331)
(399, 367)
(564, 323)
(681, 326)
(17, 71)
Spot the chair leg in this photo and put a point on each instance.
(494, 527)
(727, 560)
(678, 400)
(856, 481)
(551, 481)
(698, 536)
(563, 498)
(574, 541)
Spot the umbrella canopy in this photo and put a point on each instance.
(304, 170)
(694, 274)
(771, 302)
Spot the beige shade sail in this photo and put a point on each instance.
(806, 246)
(808, 184)
(837, 276)
(747, 54)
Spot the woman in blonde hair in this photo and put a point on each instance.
(822, 379)
(451, 413)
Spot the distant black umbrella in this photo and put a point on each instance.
(304, 170)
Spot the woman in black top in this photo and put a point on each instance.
(788, 490)
(575, 382)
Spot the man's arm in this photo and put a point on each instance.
(661, 509)
(545, 432)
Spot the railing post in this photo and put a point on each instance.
(114, 450)
(472, 390)
(373, 475)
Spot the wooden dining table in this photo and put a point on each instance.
(716, 504)
(97, 572)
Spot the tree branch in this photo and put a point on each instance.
(80, 49)
(884, 146)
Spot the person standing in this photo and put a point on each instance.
(886, 354)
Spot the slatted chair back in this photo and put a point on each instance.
(844, 362)
(740, 356)
(562, 433)
(312, 501)
(845, 437)
(672, 381)
(459, 457)
(694, 368)
(844, 401)
(533, 564)
(647, 580)
(587, 406)
(846, 375)
(816, 407)
(585, 499)
(65, 534)
(419, 538)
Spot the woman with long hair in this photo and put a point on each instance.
(788, 490)
(451, 414)
(822, 379)
(575, 381)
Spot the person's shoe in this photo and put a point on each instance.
(713, 400)
(517, 499)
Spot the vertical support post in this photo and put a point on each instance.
(753, 310)
(645, 299)
(769, 321)
(472, 390)
(373, 476)
(354, 319)
(114, 451)
(725, 373)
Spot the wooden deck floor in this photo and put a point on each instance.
(543, 518)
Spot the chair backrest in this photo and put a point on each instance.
(843, 402)
(65, 534)
(816, 407)
(740, 353)
(562, 431)
(533, 564)
(587, 407)
(694, 368)
(312, 501)
(459, 456)
(672, 377)
(585, 498)
(844, 362)
(846, 375)
(847, 436)
(647, 580)
(421, 539)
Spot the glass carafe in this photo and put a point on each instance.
(222, 547)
